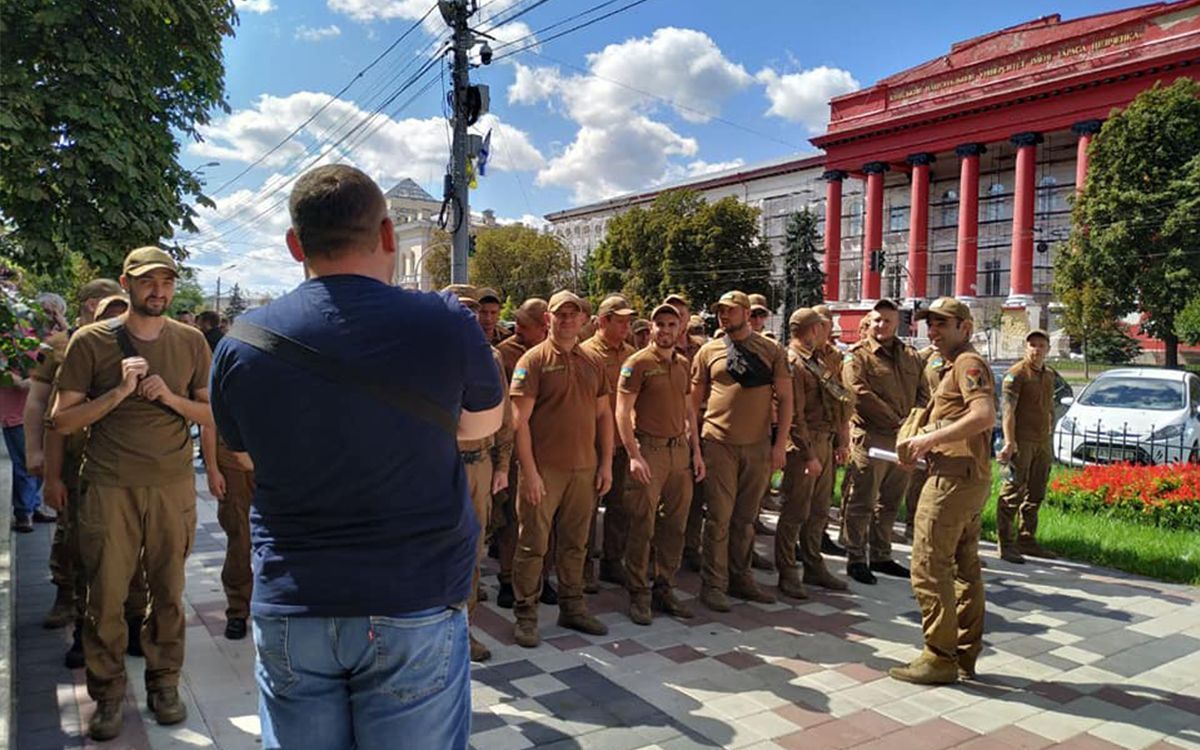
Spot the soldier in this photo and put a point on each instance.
(818, 405)
(946, 575)
(640, 331)
(138, 400)
(609, 348)
(737, 377)
(927, 354)
(695, 328)
(690, 343)
(655, 421)
(759, 312)
(489, 315)
(831, 357)
(1028, 391)
(564, 425)
(531, 330)
(884, 373)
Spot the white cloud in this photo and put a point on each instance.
(310, 34)
(254, 6)
(529, 220)
(382, 10)
(701, 167)
(804, 97)
(618, 146)
(366, 11)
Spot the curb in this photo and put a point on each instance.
(8, 577)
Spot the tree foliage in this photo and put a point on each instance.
(91, 97)
(1187, 324)
(237, 303)
(803, 279)
(681, 243)
(189, 296)
(517, 261)
(1135, 245)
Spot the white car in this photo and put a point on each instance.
(1139, 414)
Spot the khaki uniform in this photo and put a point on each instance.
(916, 481)
(817, 417)
(1030, 393)
(616, 521)
(498, 336)
(233, 513)
(504, 510)
(737, 454)
(946, 575)
(564, 386)
(657, 511)
(887, 384)
(481, 458)
(140, 501)
(693, 534)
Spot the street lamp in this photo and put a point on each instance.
(226, 267)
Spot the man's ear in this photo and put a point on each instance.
(124, 282)
(387, 236)
(293, 244)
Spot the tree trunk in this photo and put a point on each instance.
(1171, 351)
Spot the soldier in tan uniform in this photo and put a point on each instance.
(759, 312)
(917, 480)
(655, 421)
(689, 343)
(640, 332)
(737, 376)
(531, 330)
(884, 374)
(609, 346)
(946, 575)
(489, 315)
(831, 357)
(564, 434)
(1028, 391)
(818, 405)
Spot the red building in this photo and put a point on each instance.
(955, 177)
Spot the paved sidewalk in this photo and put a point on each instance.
(1077, 657)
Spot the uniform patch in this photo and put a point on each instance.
(1010, 378)
(935, 363)
(520, 373)
(847, 357)
(626, 371)
(553, 368)
(974, 378)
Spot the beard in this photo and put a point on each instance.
(142, 308)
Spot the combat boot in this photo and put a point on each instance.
(1009, 554)
(761, 562)
(613, 571)
(166, 706)
(106, 723)
(715, 599)
(639, 609)
(692, 560)
(581, 621)
(926, 670)
(750, 591)
(479, 652)
(966, 666)
(664, 601)
(1031, 548)
(525, 633)
(825, 580)
(790, 585)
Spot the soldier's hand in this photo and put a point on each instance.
(1006, 453)
(841, 455)
(812, 467)
(639, 469)
(54, 493)
(917, 448)
(604, 479)
(699, 470)
(778, 457)
(35, 462)
(216, 482)
(154, 388)
(532, 489)
(499, 482)
(133, 369)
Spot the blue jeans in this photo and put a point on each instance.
(26, 489)
(366, 683)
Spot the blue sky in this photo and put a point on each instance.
(737, 83)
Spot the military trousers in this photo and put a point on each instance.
(1022, 493)
(737, 480)
(870, 508)
(616, 524)
(115, 525)
(947, 578)
(805, 512)
(479, 483)
(657, 514)
(233, 513)
(566, 508)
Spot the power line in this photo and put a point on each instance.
(561, 22)
(510, 19)
(570, 30)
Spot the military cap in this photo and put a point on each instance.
(664, 308)
(146, 259)
(695, 322)
(886, 304)
(759, 302)
(486, 294)
(803, 317)
(677, 299)
(1038, 332)
(113, 299)
(945, 307)
(733, 299)
(824, 312)
(641, 324)
(567, 298)
(615, 304)
(99, 289)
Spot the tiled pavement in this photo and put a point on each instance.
(1077, 657)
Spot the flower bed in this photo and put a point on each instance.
(1166, 496)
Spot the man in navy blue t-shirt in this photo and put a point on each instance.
(362, 528)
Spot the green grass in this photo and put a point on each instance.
(1162, 554)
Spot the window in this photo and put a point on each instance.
(894, 279)
(856, 217)
(950, 208)
(994, 203)
(991, 278)
(945, 280)
(1048, 198)
(897, 218)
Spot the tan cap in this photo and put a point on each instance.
(664, 308)
(733, 299)
(564, 298)
(98, 289)
(945, 307)
(113, 299)
(695, 322)
(759, 302)
(803, 317)
(615, 304)
(641, 324)
(824, 312)
(147, 259)
(486, 294)
(886, 304)
(1037, 332)
(532, 312)
(461, 290)
(677, 299)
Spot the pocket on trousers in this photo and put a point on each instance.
(271, 644)
(415, 654)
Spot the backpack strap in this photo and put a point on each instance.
(340, 372)
(117, 326)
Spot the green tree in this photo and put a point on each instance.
(92, 96)
(803, 279)
(519, 262)
(189, 296)
(237, 303)
(1135, 237)
(1187, 324)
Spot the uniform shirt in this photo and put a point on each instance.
(51, 356)
(498, 335)
(564, 386)
(500, 443)
(887, 383)
(661, 387)
(831, 357)
(963, 378)
(736, 415)
(818, 410)
(1030, 393)
(139, 443)
(510, 352)
(360, 508)
(611, 357)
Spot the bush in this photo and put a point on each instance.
(1166, 496)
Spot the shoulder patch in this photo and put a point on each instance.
(847, 357)
(520, 373)
(974, 378)
(1010, 378)
(935, 363)
(626, 371)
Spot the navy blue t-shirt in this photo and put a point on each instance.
(359, 509)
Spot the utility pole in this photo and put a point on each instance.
(469, 104)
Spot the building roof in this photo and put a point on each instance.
(734, 176)
(406, 188)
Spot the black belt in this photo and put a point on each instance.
(471, 457)
(661, 442)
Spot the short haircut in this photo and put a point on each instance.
(336, 208)
(208, 318)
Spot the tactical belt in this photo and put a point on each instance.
(471, 457)
(660, 442)
(950, 466)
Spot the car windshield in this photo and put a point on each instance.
(1134, 393)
